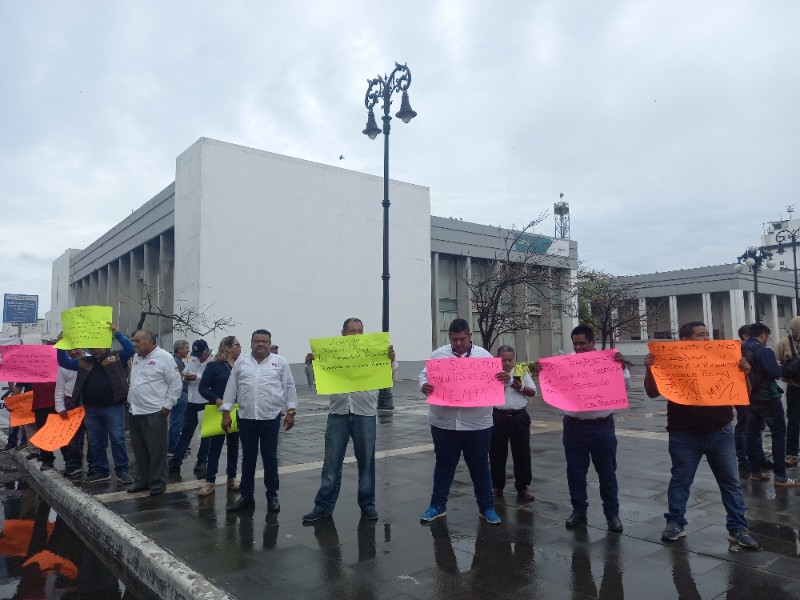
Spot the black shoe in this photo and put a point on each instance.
(46, 466)
(767, 465)
(137, 488)
(199, 466)
(174, 467)
(576, 520)
(33, 456)
(273, 505)
(241, 504)
(157, 491)
(614, 524)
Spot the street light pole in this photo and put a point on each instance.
(782, 236)
(753, 258)
(382, 88)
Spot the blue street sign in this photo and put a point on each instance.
(20, 308)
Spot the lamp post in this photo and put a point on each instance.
(382, 88)
(753, 258)
(783, 236)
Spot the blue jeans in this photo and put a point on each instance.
(252, 433)
(190, 422)
(215, 444)
(337, 434)
(686, 450)
(770, 412)
(448, 445)
(740, 436)
(792, 420)
(176, 422)
(596, 439)
(104, 423)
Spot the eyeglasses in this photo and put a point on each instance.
(236, 344)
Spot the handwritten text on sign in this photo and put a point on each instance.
(699, 373)
(86, 327)
(21, 408)
(584, 381)
(57, 432)
(465, 382)
(29, 364)
(352, 363)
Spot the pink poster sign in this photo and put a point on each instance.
(585, 381)
(28, 363)
(465, 382)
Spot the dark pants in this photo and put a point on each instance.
(190, 420)
(252, 433)
(740, 437)
(215, 451)
(448, 446)
(770, 412)
(149, 441)
(41, 418)
(511, 427)
(594, 439)
(792, 420)
(73, 452)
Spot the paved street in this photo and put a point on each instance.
(531, 555)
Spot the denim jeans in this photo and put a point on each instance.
(740, 436)
(448, 445)
(104, 423)
(252, 433)
(792, 420)
(770, 412)
(190, 421)
(686, 450)
(176, 422)
(215, 444)
(338, 432)
(596, 439)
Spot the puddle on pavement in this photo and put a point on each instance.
(40, 556)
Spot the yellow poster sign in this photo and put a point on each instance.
(212, 421)
(699, 373)
(352, 363)
(86, 327)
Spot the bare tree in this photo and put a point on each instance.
(187, 319)
(501, 288)
(610, 305)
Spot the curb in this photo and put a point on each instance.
(146, 569)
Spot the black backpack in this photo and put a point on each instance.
(790, 369)
(756, 376)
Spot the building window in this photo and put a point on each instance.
(781, 310)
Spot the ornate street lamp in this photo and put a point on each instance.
(753, 258)
(783, 236)
(382, 88)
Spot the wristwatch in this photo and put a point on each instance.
(291, 411)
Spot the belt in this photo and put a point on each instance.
(599, 421)
(508, 413)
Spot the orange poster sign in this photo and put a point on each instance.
(57, 432)
(699, 373)
(20, 407)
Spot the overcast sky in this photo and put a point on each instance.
(671, 128)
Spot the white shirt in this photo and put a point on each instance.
(449, 417)
(65, 383)
(195, 367)
(515, 399)
(155, 382)
(261, 389)
(357, 403)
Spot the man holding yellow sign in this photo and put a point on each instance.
(351, 415)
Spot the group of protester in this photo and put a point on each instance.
(166, 395)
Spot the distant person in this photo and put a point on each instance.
(273, 349)
(694, 432)
(155, 387)
(102, 386)
(352, 415)
(309, 373)
(181, 353)
(590, 437)
(212, 388)
(512, 425)
(64, 402)
(263, 386)
(44, 405)
(457, 431)
(742, 417)
(788, 347)
(201, 357)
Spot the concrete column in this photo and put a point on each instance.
(674, 325)
(136, 280)
(166, 271)
(643, 321)
(774, 324)
(464, 267)
(708, 318)
(124, 302)
(737, 310)
(102, 286)
(794, 306)
(751, 307)
(434, 299)
(615, 319)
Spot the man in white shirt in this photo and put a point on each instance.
(512, 425)
(154, 389)
(65, 384)
(262, 384)
(196, 404)
(460, 430)
(352, 415)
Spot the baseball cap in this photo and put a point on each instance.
(199, 347)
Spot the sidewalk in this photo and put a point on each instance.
(531, 555)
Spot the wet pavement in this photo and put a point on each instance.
(530, 555)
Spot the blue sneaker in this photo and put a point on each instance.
(432, 514)
(490, 516)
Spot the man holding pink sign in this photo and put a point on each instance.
(460, 399)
